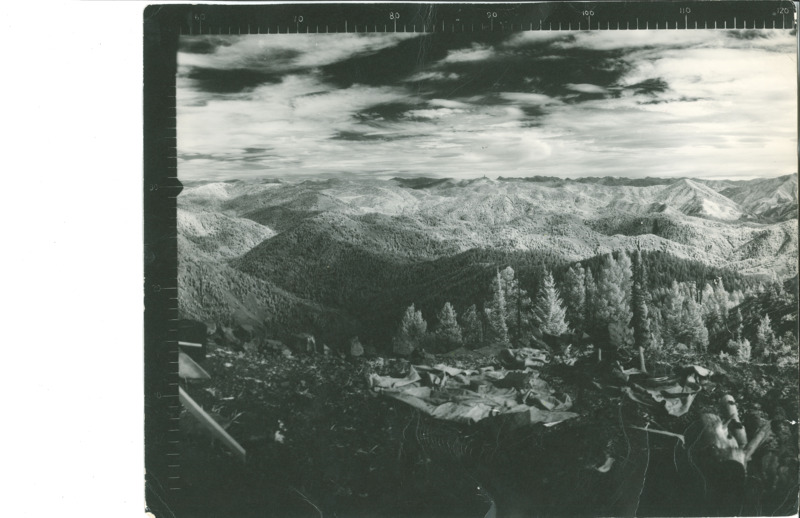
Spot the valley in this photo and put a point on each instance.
(343, 256)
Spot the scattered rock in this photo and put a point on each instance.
(302, 343)
(356, 349)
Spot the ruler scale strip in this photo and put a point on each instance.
(451, 18)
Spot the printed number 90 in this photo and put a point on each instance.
(491, 14)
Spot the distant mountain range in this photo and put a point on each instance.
(328, 252)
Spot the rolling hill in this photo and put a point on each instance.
(346, 255)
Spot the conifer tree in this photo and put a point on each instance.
(549, 311)
(694, 331)
(764, 338)
(448, 334)
(589, 318)
(738, 324)
(708, 303)
(472, 327)
(641, 322)
(496, 312)
(741, 349)
(673, 315)
(656, 326)
(518, 305)
(575, 296)
(411, 332)
(625, 271)
(722, 299)
(715, 305)
(612, 304)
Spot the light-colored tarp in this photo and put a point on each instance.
(675, 394)
(469, 396)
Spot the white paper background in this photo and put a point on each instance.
(72, 234)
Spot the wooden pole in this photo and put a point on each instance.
(209, 422)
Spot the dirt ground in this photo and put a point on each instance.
(320, 443)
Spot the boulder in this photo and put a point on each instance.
(243, 332)
(302, 343)
(356, 349)
(269, 346)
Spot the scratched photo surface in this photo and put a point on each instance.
(489, 274)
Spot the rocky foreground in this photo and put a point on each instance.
(321, 442)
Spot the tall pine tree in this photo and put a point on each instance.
(518, 305)
(612, 304)
(496, 311)
(549, 311)
(448, 333)
(639, 296)
(694, 331)
(765, 336)
(673, 315)
(590, 316)
(410, 333)
(472, 327)
(574, 294)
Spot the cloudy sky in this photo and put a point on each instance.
(719, 104)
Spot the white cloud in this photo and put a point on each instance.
(665, 39)
(586, 88)
(526, 38)
(431, 114)
(434, 76)
(729, 109)
(294, 120)
(477, 52)
(448, 103)
(527, 98)
(278, 52)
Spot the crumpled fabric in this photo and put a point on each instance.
(386, 382)
(469, 396)
(674, 394)
(523, 357)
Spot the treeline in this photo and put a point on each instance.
(623, 305)
(372, 285)
(215, 293)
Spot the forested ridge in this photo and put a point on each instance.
(348, 259)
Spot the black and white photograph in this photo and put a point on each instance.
(444, 261)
